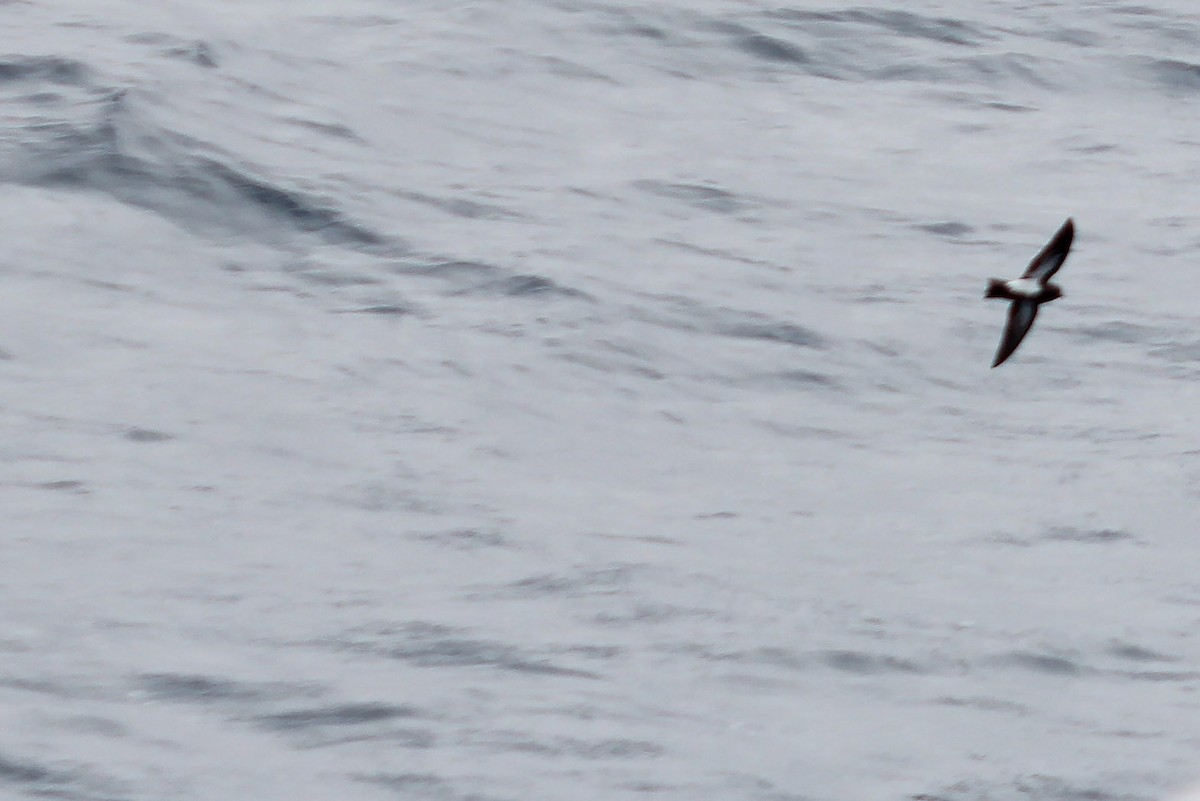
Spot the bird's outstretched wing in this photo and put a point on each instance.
(1046, 263)
(1020, 317)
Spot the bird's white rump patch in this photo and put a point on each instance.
(1025, 287)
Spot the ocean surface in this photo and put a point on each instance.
(564, 399)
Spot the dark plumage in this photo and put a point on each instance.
(1030, 290)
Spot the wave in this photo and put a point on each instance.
(856, 44)
(98, 139)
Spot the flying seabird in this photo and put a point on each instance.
(1030, 290)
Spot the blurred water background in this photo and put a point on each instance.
(551, 399)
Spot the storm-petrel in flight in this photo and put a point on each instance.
(1030, 290)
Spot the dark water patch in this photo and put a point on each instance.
(379, 309)
(783, 333)
(791, 379)
(608, 364)
(718, 253)
(770, 48)
(776, 657)
(527, 284)
(1006, 68)
(1087, 536)
(197, 52)
(67, 691)
(1171, 29)
(462, 207)
(467, 539)
(985, 704)
(173, 687)
(862, 663)
(921, 72)
(945, 30)
(1116, 331)
(433, 646)
(41, 97)
(877, 44)
(64, 485)
(95, 725)
(803, 662)
(329, 277)
(343, 715)
(642, 614)
(634, 354)
(306, 213)
(1038, 787)
(613, 580)
(1136, 653)
(1176, 77)
(108, 286)
(64, 71)
(197, 689)
(259, 91)
(707, 198)
(385, 498)
(752, 325)
(653, 539)
(1076, 37)
(1098, 435)
(646, 31)
(572, 747)
(480, 278)
(951, 230)
(322, 727)
(686, 314)
(993, 71)
(15, 771)
(201, 54)
(421, 786)
(147, 435)
(571, 69)
(392, 737)
(1012, 108)
(1179, 353)
(523, 285)
(755, 788)
(601, 653)
(652, 788)
(33, 780)
(463, 272)
(460, 652)
(1137, 10)
(1187, 676)
(1048, 664)
(331, 129)
(1093, 149)
(312, 726)
(1008, 539)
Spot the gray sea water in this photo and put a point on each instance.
(553, 399)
